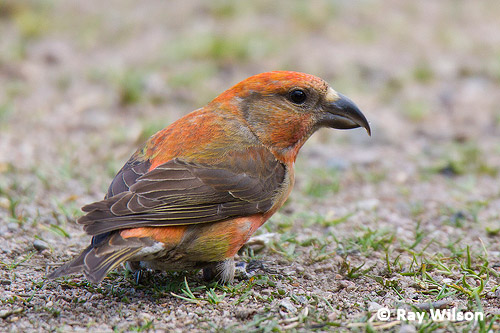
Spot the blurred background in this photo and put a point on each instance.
(84, 83)
(83, 76)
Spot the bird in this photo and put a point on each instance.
(196, 191)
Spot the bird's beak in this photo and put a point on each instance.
(344, 114)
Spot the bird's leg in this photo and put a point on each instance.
(246, 270)
(221, 270)
(225, 271)
(138, 276)
(249, 268)
(135, 268)
(209, 272)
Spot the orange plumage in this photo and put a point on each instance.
(198, 189)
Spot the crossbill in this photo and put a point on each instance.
(197, 190)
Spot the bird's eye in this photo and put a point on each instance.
(297, 96)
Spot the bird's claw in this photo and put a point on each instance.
(246, 270)
(138, 276)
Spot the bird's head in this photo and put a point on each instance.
(284, 108)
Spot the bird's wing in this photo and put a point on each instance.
(135, 167)
(182, 193)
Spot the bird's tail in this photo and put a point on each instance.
(96, 261)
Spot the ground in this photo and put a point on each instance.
(406, 219)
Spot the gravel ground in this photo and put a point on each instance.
(407, 219)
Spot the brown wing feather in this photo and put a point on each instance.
(127, 176)
(180, 193)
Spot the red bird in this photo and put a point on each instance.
(198, 189)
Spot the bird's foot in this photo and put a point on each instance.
(226, 270)
(138, 272)
(139, 275)
(245, 270)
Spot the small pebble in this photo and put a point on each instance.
(4, 202)
(288, 306)
(407, 329)
(368, 204)
(302, 299)
(40, 245)
(13, 226)
(5, 313)
(245, 313)
(374, 307)
(266, 291)
(144, 318)
(333, 316)
(348, 285)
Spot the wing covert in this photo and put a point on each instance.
(182, 193)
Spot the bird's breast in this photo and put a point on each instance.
(284, 190)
